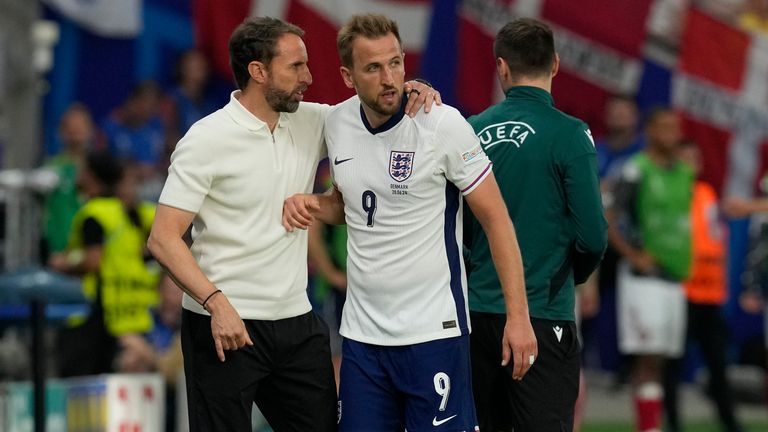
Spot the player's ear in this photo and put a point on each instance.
(346, 75)
(257, 71)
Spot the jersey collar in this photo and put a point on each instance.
(244, 118)
(389, 124)
(532, 93)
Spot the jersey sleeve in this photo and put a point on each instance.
(463, 160)
(581, 184)
(191, 174)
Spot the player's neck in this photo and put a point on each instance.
(660, 156)
(374, 118)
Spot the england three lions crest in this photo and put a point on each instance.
(400, 165)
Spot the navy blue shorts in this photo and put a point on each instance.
(421, 387)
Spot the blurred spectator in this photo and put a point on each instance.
(189, 100)
(76, 132)
(755, 276)
(107, 248)
(622, 140)
(587, 306)
(755, 17)
(160, 349)
(648, 212)
(706, 291)
(135, 132)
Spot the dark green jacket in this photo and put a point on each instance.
(545, 164)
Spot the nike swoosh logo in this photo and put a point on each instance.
(436, 422)
(336, 160)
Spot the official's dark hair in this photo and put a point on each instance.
(528, 47)
(256, 40)
(370, 26)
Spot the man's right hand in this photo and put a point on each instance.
(643, 263)
(519, 346)
(227, 327)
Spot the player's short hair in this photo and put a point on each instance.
(256, 40)
(655, 112)
(370, 26)
(527, 46)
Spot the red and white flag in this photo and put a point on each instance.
(721, 88)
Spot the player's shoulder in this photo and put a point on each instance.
(345, 108)
(439, 115)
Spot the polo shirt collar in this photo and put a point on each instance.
(244, 117)
(531, 93)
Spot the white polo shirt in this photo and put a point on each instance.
(235, 175)
(402, 185)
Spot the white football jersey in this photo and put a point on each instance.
(402, 185)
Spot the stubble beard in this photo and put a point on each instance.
(280, 100)
(374, 105)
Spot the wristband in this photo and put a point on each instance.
(209, 297)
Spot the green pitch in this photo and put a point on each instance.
(689, 427)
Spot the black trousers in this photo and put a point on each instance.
(544, 400)
(707, 327)
(287, 372)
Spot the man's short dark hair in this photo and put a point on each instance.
(528, 47)
(256, 40)
(370, 26)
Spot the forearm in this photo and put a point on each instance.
(331, 210)
(174, 255)
(505, 253)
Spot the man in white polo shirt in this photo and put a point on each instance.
(248, 333)
(244, 279)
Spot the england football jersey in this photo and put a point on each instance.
(402, 185)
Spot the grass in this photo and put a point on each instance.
(689, 427)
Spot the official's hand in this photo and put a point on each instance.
(736, 207)
(227, 327)
(751, 302)
(643, 263)
(297, 211)
(420, 95)
(519, 346)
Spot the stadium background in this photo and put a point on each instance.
(688, 54)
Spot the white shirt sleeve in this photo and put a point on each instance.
(463, 160)
(191, 173)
